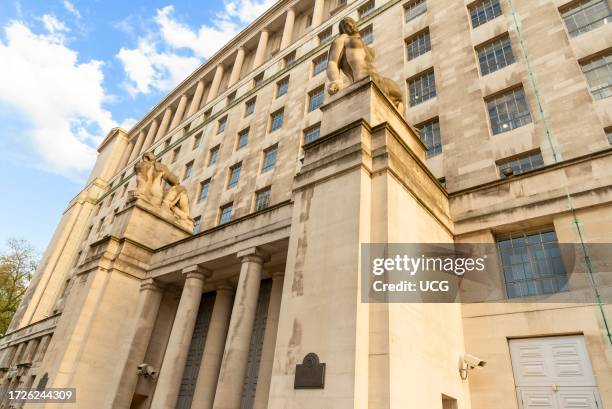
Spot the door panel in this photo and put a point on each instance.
(540, 398)
(582, 398)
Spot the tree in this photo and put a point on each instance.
(17, 264)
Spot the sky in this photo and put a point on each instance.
(71, 70)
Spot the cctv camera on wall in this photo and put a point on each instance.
(147, 371)
(470, 362)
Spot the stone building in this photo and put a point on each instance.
(506, 140)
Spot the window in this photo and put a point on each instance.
(207, 113)
(243, 139)
(221, 125)
(234, 175)
(422, 88)
(508, 111)
(167, 143)
(110, 202)
(341, 3)
(429, 133)
(520, 164)
(442, 181)
(225, 213)
(366, 9)
(231, 97)
(367, 35)
(598, 72)
(175, 154)
(609, 135)
(282, 87)
(312, 134)
(532, 263)
(309, 20)
(258, 80)
(100, 224)
(319, 64)
(586, 15)
(249, 107)
(197, 224)
(197, 140)
(315, 98)
(188, 170)
(269, 161)
(418, 44)
(414, 9)
(212, 155)
(495, 55)
(124, 191)
(484, 11)
(276, 120)
(325, 35)
(289, 59)
(262, 199)
(204, 186)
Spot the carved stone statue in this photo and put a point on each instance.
(350, 55)
(157, 185)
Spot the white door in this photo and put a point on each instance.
(553, 372)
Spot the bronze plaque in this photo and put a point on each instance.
(310, 374)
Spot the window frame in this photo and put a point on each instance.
(437, 147)
(233, 177)
(306, 131)
(316, 98)
(319, 67)
(422, 76)
(525, 118)
(278, 113)
(480, 9)
(487, 52)
(413, 5)
(268, 190)
(228, 206)
(265, 168)
(204, 187)
(280, 86)
(421, 47)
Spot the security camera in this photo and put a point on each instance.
(147, 371)
(472, 361)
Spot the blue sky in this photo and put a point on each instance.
(70, 70)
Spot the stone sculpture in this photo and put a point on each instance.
(350, 56)
(157, 185)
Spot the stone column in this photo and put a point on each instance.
(42, 348)
(146, 313)
(173, 365)
(269, 343)
(206, 385)
(163, 127)
(233, 367)
(180, 111)
(127, 152)
(237, 68)
(216, 83)
(287, 37)
(7, 357)
(137, 146)
(317, 13)
(197, 99)
(260, 54)
(150, 135)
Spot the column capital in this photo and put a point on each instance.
(196, 271)
(225, 287)
(150, 284)
(278, 274)
(254, 254)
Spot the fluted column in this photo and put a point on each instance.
(237, 68)
(150, 135)
(216, 83)
(7, 357)
(317, 13)
(137, 146)
(163, 127)
(206, 384)
(236, 353)
(146, 313)
(287, 37)
(180, 111)
(260, 54)
(127, 152)
(197, 99)
(269, 343)
(173, 365)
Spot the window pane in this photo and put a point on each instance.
(277, 120)
(495, 55)
(418, 45)
(319, 64)
(283, 86)
(586, 15)
(485, 11)
(598, 73)
(520, 165)
(508, 111)
(250, 108)
(367, 35)
(203, 190)
(366, 9)
(243, 139)
(414, 9)
(234, 176)
(312, 134)
(226, 214)
(212, 159)
(316, 99)
(430, 135)
(196, 225)
(269, 159)
(422, 88)
(262, 200)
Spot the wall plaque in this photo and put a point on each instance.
(310, 374)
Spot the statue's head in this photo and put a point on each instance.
(149, 157)
(348, 26)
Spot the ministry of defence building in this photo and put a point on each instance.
(241, 288)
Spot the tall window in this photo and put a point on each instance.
(175, 154)
(422, 88)
(204, 186)
(197, 224)
(249, 107)
(418, 44)
(598, 72)
(269, 161)
(262, 199)
(414, 9)
(276, 120)
(197, 140)
(495, 55)
(508, 111)
(225, 213)
(586, 15)
(212, 155)
(188, 170)
(231, 97)
(221, 125)
(520, 164)
(325, 35)
(429, 133)
(484, 11)
(315, 98)
(282, 87)
(234, 175)
(258, 80)
(366, 9)
(243, 139)
(319, 64)
(289, 59)
(532, 263)
(367, 35)
(312, 134)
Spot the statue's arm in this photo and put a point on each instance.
(170, 177)
(333, 61)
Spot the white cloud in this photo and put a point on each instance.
(167, 56)
(53, 25)
(71, 9)
(61, 97)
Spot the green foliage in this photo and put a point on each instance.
(17, 264)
